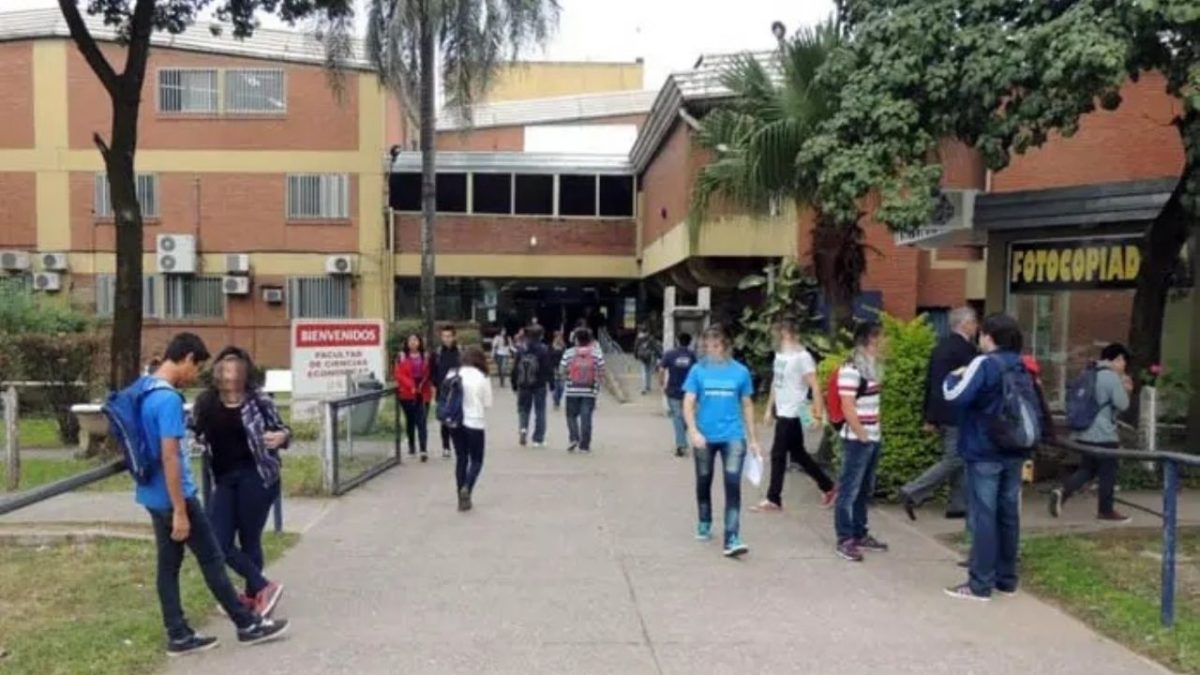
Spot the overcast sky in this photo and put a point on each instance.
(668, 34)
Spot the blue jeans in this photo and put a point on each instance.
(579, 420)
(647, 376)
(560, 388)
(501, 368)
(994, 509)
(239, 508)
(733, 456)
(675, 406)
(532, 401)
(856, 486)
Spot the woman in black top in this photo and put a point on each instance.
(243, 434)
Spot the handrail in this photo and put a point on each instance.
(59, 487)
(1125, 453)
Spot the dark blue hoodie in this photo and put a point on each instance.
(976, 395)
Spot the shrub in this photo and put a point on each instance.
(69, 365)
(468, 334)
(792, 297)
(22, 312)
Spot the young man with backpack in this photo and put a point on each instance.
(583, 370)
(148, 420)
(1094, 401)
(445, 360)
(646, 351)
(533, 374)
(1000, 424)
(675, 366)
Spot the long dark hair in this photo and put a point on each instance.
(475, 358)
(209, 400)
(420, 345)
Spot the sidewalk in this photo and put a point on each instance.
(574, 564)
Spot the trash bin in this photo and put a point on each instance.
(364, 414)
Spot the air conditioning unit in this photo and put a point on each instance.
(339, 264)
(952, 223)
(235, 285)
(237, 263)
(272, 295)
(14, 261)
(54, 262)
(176, 254)
(47, 281)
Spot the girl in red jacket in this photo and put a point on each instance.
(414, 388)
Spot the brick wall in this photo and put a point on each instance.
(508, 235)
(18, 209)
(16, 104)
(666, 185)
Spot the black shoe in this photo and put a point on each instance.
(464, 499)
(965, 564)
(956, 515)
(522, 438)
(910, 506)
(680, 452)
(263, 631)
(424, 457)
(191, 644)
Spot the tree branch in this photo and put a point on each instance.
(101, 145)
(87, 45)
(140, 26)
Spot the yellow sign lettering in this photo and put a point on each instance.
(1093, 263)
(1079, 265)
(1052, 267)
(1116, 265)
(1041, 265)
(1030, 266)
(1016, 266)
(1133, 262)
(1064, 265)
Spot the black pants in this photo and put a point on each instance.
(447, 432)
(204, 546)
(415, 424)
(239, 508)
(468, 449)
(1103, 468)
(789, 442)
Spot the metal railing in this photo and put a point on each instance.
(362, 438)
(1170, 462)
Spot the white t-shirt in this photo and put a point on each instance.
(867, 405)
(790, 384)
(477, 397)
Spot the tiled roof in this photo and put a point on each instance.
(265, 43)
(558, 109)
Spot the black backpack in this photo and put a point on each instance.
(527, 373)
(1016, 426)
(450, 401)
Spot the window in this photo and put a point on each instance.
(188, 297)
(452, 193)
(318, 297)
(616, 196)
(491, 193)
(255, 91)
(404, 191)
(187, 90)
(318, 196)
(106, 296)
(535, 195)
(147, 196)
(577, 195)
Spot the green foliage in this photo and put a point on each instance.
(22, 312)
(69, 365)
(792, 298)
(1174, 393)
(907, 448)
(398, 332)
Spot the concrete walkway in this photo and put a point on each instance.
(574, 564)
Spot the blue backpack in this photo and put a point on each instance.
(450, 401)
(1082, 405)
(1016, 426)
(124, 412)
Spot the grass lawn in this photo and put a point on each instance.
(91, 607)
(1111, 581)
(34, 432)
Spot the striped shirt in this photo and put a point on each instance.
(867, 405)
(565, 368)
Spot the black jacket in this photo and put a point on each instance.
(950, 354)
(546, 364)
(444, 361)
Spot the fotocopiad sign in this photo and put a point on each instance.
(326, 351)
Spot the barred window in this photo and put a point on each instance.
(183, 90)
(318, 297)
(106, 296)
(318, 196)
(147, 196)
(193, 297)
(255, 91)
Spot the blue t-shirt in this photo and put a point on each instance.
(678, 362)
(719, 388)
(162, 417)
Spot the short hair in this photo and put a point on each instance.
(787, 326)
(475, 358)
(534, 333)
(1115, 351)
(186, 344)
(866, 331)
(1004, 331)
(685, 339)
(961, 315)
(583, 337)
(449, 328)
(717, 332)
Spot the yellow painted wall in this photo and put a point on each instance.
(532, 79)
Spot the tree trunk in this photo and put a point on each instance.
(126, 346)
(1194, 376)
(428, 177)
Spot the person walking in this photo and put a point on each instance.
(171, 498)
(447, 359)
(558, 347)
(859, 383)
(646, 351)
(533, 372)
(1097, 398)
(719, 410)
(675, 366)
(951, 353)
(502, 349)
(242, 432)
(414, 389)
(984, 393)
(794, 381)
(583, 369)
(469, 437)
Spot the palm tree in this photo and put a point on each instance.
(474, 38)
(756, 137)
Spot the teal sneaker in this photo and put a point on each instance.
(735, 548)
(703, 531)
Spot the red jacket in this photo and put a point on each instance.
(411, 385)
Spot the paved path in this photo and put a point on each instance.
(573, 564)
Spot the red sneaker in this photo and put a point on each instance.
(828, 498)
(267, 598)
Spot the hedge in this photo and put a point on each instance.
(69, 364)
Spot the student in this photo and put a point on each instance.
(859, 386)
(795, 378)
(170, 496)
(675, 366)
(582, 367)
(558, 347)
(646, 350)
(414, 389)
(502, 348)
(993, 472)
(533, 371)
(469, 436)
(1111, 391)
(951, 353)
(447, 359)
(243, 433)
(719, 411)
